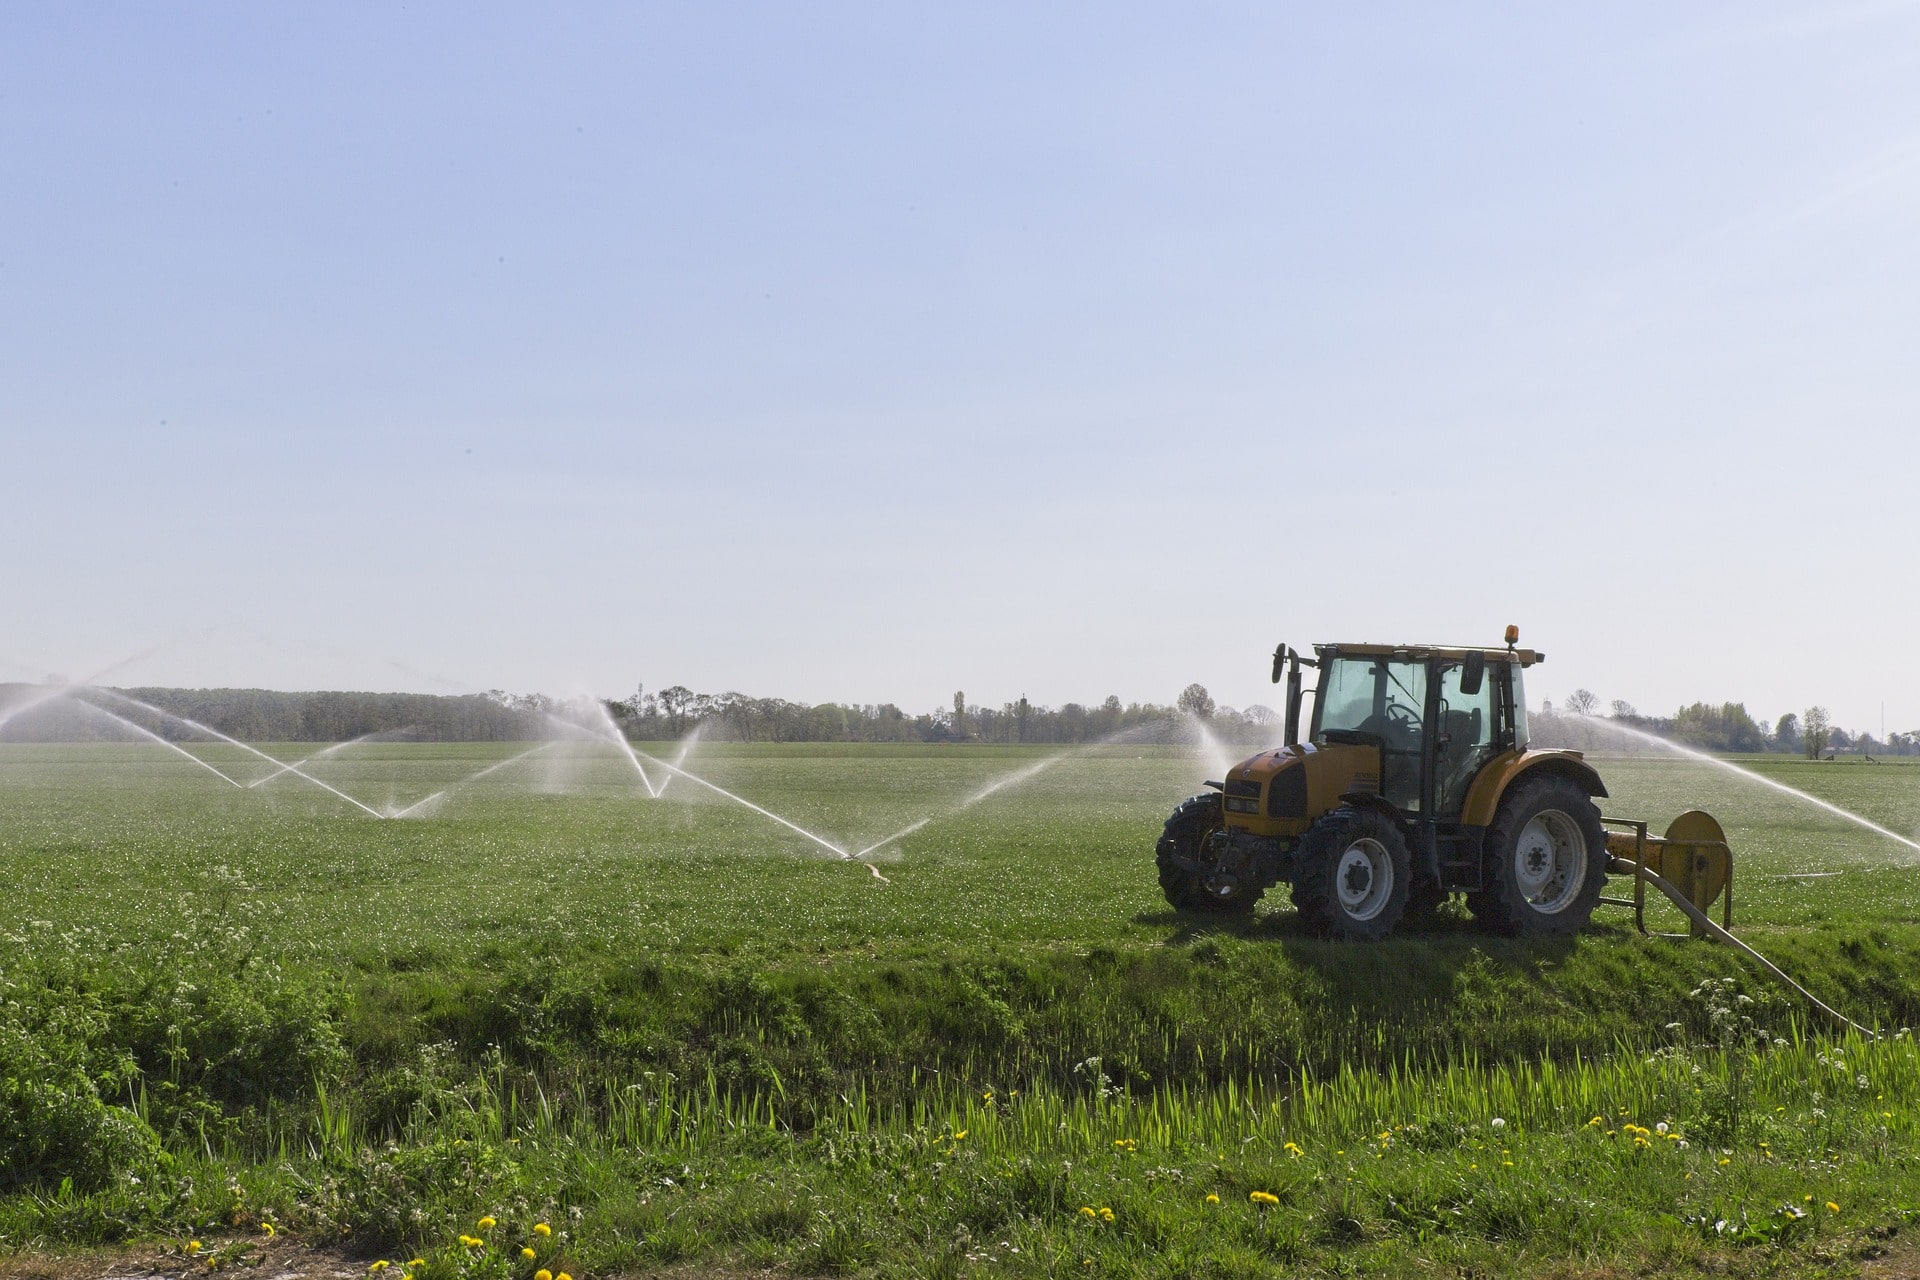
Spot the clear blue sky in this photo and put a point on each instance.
(874, 352)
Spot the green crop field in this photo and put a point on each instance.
(681, 1033)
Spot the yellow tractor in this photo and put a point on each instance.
(1414, 782)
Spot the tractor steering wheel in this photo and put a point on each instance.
(1402, 724)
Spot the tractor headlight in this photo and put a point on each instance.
(1243, 796)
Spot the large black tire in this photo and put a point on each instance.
(1546, 861)
(1185, 837)
(1352, 875)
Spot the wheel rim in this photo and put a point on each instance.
(1217, 882)
(1363, 879)
(1550, 861)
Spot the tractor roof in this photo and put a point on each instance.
(1421, 652)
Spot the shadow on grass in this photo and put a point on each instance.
(1418, 965)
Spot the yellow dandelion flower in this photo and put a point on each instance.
(563, 1276)
(1506, 1164)
(1106, 1214)
(1293, 1149)
(1086, 1211)
(1263, 1197)
(1472, 1168)
(542, 1229)
(1212, 1198)
(543, 1274)
(959, 1134)
(268, 1228)
(1832, 1207)
(1725, 1161)
(486, 1224)
(193, 1246)
(381, 1265)
(528, 1253)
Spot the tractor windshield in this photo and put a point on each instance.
(1376, 696)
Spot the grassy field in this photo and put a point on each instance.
(673, 1029)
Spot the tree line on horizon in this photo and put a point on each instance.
(266, 715)
(1726, 726)
(677, 710)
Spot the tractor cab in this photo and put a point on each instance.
(1414, 781)
(1435, 716)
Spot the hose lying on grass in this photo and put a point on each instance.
(1719, 934)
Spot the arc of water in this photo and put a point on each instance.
(142, 730)
(677, 771)
(612, 734)
(1752, 776)
(469, 779)
(680, 756)
(215, 733)
(1015, 777)
(66, 690)
(1216, 752)
(318, 755)
(1012, 778)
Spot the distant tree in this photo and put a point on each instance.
(675, 702)
(1196, 701)
(959, 715)
(1261, 715)
(1582, 702)
(1624, 710)
(1726, 727)
(1816, 730)
(1786, 733)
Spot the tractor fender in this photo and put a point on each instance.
(1509, 767)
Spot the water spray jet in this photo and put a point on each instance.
(471, 778)
(215, 733)
(1752, 776)
(142, 730)
(318, 755)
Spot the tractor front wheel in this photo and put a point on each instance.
(1352, 875)
(1190, 873)
(1546, 861)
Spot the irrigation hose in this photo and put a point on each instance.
(1719, 934)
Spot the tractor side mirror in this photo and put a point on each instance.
(1279, 662)
(1473, 672)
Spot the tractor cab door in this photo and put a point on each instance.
(1464, 738)
(1384, 701)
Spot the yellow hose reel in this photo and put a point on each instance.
(1692, 856)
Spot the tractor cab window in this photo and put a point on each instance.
(1385, 700)
(1466, 735)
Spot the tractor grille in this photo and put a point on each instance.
(1243, 796)
(1287, 798)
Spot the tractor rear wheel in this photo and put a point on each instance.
(1546, 861)
(1187, 840)
(1352, 875)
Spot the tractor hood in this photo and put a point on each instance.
(1277, 792)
